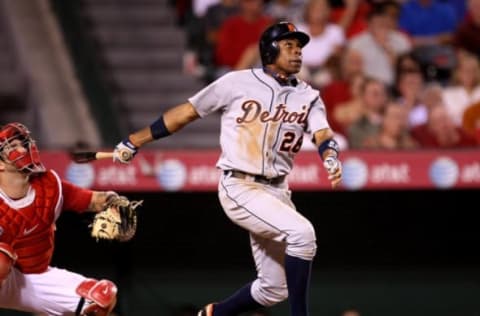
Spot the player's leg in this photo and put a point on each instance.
(278, 272)
(268, 289)
(298, 273)
(52, 293)
(239, 302)
(98, 297)
(268, 212)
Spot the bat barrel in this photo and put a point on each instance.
(88, 156)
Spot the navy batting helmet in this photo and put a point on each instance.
(268, 42)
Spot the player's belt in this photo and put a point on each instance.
(256, 178)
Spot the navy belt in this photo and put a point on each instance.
(256, 178)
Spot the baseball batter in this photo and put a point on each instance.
(31, 200)
(265, 113)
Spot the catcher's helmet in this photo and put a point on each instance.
(18, 148)
(268, 42)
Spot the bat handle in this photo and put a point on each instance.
(103, 155)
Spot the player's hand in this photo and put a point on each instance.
(334, 170)
(124, 151)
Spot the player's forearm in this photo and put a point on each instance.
(99, 199)
(172, 120)
(321, 136)
(351, 7)
(141, 137)
(179, 116)
(328, 150)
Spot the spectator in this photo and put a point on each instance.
(213, 20)
(285, 10)
(410, 88)
(345, 87)
(238, 37)
(197, 54)
(406, 62)
(465, 87)
(428, 22)
(471, 121)
(441, 132)
(215, 16)
(350, 15)
(373, 100)
(391, 8)
(467, 36)
(431, 96)
(200, 7)
(380, 45)
(459, 7)
(430, 25)
(326, 41)
(345, 113)
(393, 133)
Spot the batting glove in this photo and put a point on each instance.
(124, 151)
(334, 169)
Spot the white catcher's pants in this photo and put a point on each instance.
(48, 293)
(275, 228)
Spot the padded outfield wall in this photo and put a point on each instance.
(390, 253)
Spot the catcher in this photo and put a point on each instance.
(31, 200)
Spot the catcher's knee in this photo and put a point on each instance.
(302, 243)
(98, 297)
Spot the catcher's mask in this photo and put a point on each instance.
(268, 41)
(18, 148)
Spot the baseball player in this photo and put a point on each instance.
(31, 200)
(265, 113)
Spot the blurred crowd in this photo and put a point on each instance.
(393, 74)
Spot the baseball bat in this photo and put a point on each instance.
(88, 156)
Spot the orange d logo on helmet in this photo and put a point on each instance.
(18, 148)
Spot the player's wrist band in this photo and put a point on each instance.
(328, 144)
(128, 143)
(158, 128)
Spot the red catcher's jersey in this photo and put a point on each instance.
(29, 228)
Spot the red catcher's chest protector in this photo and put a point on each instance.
(30, 229)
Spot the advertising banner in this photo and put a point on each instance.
(191, 170)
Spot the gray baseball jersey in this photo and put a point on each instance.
(262, 122)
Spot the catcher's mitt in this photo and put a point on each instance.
(118, 221)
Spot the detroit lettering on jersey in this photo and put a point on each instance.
(252, 110)
(262, 121)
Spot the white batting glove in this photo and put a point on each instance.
(124, 151)
(334, 169)
(331, 164)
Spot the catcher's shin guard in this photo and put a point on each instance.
(100, 297)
